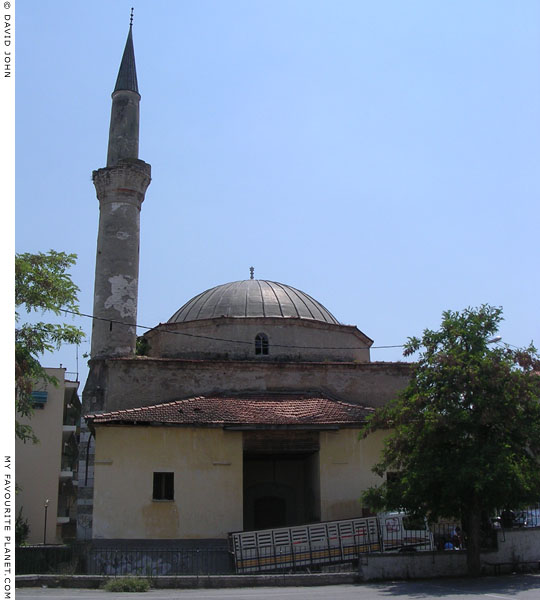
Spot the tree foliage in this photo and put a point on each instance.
(42, 284)
(22, 529)
(465, 433)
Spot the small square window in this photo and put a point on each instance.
(163, 486)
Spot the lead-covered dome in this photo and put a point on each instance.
(253, 298)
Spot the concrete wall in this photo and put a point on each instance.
(515, 548)
(131, 382)
(519, 545)
(38, 465)
(207, 466)
(289, 339)
(416, 565)
(346, 463)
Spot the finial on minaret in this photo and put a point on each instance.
(251, 272)
(127, 74)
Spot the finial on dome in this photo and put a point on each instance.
(251, 272)
(131, 18)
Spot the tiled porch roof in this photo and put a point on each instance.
(266, 409)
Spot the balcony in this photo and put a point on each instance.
(67, 511)
(68, 431)
(68, 469)
(66, 475)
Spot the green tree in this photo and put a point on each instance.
(464, 435)
(22, 529)
(42, 283)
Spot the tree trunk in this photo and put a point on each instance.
(474, 517)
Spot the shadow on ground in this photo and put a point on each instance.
(507, 585)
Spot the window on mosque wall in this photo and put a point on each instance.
(163, 486)
(261, 344)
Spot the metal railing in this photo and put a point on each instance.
(84, 558)
(151, 562)
(48, 559)
(147, 562)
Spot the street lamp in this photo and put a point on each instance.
(494, 340)
(45, 524)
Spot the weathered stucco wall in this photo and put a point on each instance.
(38, 465)
(208, 485)
(207, 466)
(132, 382)
(345, 463)
(289, 339)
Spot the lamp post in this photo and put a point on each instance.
(494, 340)
(45, 523)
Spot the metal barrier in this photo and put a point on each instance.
(84, 558)
(148, 562)
(152, 562)
(33, 560)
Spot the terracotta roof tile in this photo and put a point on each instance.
(246, 409)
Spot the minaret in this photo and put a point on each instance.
(120, 188)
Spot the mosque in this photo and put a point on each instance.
(241, 411)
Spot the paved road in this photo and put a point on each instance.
(515, 587)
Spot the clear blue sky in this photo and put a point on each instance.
(381, 156)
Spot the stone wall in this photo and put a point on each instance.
(233, 338)
(130, 382)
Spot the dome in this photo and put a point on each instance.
(253, 298)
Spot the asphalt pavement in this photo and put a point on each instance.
(511, 587)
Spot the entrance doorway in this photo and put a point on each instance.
(280, 488)
(269, 511)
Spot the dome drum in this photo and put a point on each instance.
(259, 338)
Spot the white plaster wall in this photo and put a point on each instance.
(207, 466)
(345, 471)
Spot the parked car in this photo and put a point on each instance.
(520, 519)
(533, 517)
(529, 517)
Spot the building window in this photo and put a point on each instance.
(163, 486)
(261, 344)
(39, 398)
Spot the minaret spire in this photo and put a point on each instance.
(124, 129)
(120, 188)
(127, 74)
